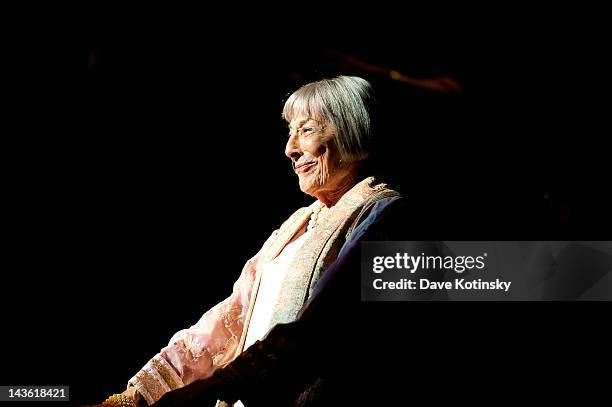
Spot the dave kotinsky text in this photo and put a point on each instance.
(404, 271)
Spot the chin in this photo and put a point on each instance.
(308, 188)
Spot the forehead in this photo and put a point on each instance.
(301, 108)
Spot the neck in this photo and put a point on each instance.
(330, 197)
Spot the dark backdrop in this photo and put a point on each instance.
(149, 166)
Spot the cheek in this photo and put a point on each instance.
(314, 147)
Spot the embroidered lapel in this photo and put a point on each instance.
(318, 251)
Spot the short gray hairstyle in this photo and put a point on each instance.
(344, 102)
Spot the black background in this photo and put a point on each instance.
(146, 166)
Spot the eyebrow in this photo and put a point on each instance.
(301, 123)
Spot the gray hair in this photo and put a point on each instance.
(345, 103)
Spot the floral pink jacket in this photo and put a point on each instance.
(196, 352)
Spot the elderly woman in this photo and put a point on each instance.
(329, 141)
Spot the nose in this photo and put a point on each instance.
(292, 149)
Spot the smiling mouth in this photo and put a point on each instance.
(304, 166)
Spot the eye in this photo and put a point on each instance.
(307, 129)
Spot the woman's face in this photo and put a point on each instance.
(317, 162)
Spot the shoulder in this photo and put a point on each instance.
(385, 218)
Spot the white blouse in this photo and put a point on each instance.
(272, 277)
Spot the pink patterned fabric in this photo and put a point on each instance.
(216, 339)
(211, 343)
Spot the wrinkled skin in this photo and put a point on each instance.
(321, 171)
